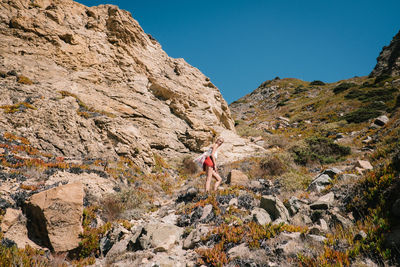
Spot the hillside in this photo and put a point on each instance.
(99, 128)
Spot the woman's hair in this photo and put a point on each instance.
(219, 138)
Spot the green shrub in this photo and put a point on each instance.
(343, 87)
(319, 149)
(300, 89)
(317, 82)
(382, 78)
(380, 94)
(354, 94)
(362, 114)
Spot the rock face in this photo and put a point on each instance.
(99, 86)
(389, 59)
(55, 216)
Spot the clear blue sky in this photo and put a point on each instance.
(240, 44)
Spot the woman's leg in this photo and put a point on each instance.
(209, 172)
(218, 178)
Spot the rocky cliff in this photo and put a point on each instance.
(389, 59)
(88, 82)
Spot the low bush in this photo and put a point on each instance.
(362, 114)
(273, 166)
(343, 87)
(382, 78)
(299, 89)
(380, 94)
(317, 82)
(319, 149)
(24, 80)
(189, 166)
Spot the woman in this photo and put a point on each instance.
(210, 165)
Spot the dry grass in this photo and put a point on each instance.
(189, 166)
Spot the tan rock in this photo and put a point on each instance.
(95, 187)
(236, 177)
(18, 232)
(10, 218)
(56, 214)
(127, 97)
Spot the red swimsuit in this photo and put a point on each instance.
(208, 162)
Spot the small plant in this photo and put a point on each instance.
(9, 109)
(209, 84)
(24, 80)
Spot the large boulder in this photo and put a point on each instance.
(274, 207)
(236, 177)
(55, 216)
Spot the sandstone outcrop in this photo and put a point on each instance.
(55, 216)
(96, 85)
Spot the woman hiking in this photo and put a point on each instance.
(210, 165)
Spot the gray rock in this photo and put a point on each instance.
(332, 172)
(171, 218)
(160, 236)
(300, 219)
(316, 230)
(339, 219)
(274, 207)
(294, 205)
(319, 183)
(241, 251)
(316, 238)
(194, 237)
(290, 248)
(323, 225)
(260, 216)
(328, 198)
(381, 120)
(114, 236)
(255, 184)
(233, 202)
(360, 236)
(207, 213)
(348, 177)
